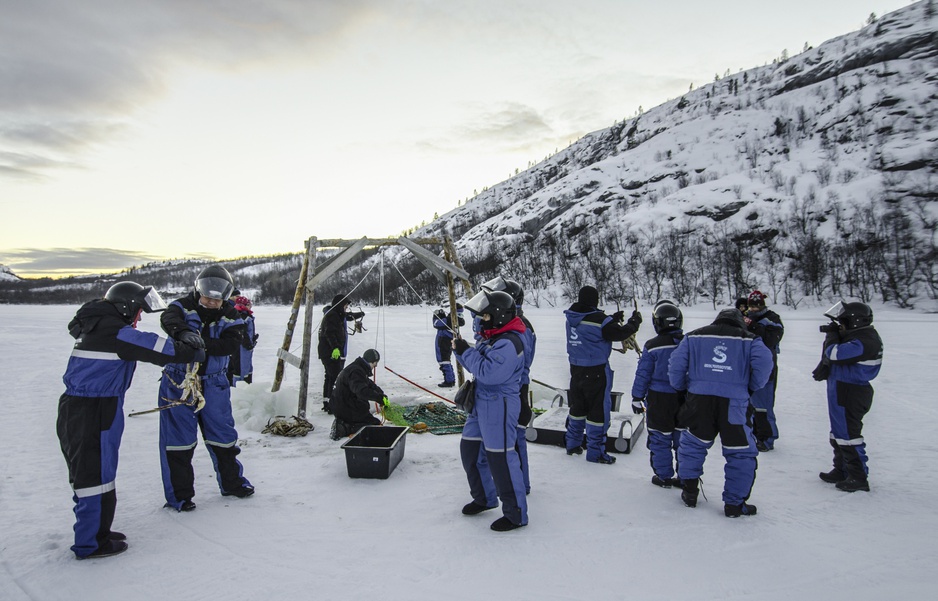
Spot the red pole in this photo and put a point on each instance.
(418, 385)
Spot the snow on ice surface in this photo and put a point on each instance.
(599, 532)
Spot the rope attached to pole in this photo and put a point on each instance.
(418, 385)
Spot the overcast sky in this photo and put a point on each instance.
(249, 126)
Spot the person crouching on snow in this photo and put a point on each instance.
(496, 363)
(352, 396)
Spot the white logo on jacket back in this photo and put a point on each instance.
(719, 354)
(718, 359)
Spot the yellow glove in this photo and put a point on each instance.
(336, 354)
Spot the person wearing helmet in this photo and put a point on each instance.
(333, 342)
(353, 394)
(445, 326)
(852, 357)
(203, 317)
(652, 387)
(496, 363)
(718, 365)
(590, 334)
(529, 340)
(90, 419)
(767, 325)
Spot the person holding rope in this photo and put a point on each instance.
(90, 419)
(497, 363)
(203, 317)
(353, 394)
(333, 342)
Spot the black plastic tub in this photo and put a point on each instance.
(375, 451)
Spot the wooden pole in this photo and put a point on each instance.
(453, 317)
(294, 312)
(307, 335)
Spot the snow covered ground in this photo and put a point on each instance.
(597, 532)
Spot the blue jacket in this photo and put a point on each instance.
(222, 330)
(529, 340)
(107, 349)
(442, 324)
(721, 359)
(497, 363)
(857, 358)
(590, 334)
(652, 370)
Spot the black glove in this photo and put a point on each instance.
(357, 314)
(638, 405)
(832, 337)
(190, 338)
(618, 317)
(460, 345)
(636, 317)
(822, 371)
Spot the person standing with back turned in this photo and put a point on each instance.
(590, 334)
(719, 366)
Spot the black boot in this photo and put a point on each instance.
(691, 490)
(666, 482)
(833, 477)
(853, 485)
(734, 511)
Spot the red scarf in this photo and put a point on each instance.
(515, 325)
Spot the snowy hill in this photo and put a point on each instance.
(812, 178)
(801, 177)
(6, 275)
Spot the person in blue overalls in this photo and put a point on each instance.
(496, 363)
(852, 357)
(590, 334)
(241, 364)
(718, 365)
(203, 315)
(443, 343)
(90, 420)
(767, 325)
(529, 340)
(651, 387)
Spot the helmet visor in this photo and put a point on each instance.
(496, 284)
(153, 302)
(836, 311)
(218, 288)
(478, 303)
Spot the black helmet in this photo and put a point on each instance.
(514, 289)
(498, 305)
(851, 315)
(214, 282)
(130, 297)
(666, 317)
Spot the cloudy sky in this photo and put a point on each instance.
(135, 130)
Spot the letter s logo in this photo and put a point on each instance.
(719, 356)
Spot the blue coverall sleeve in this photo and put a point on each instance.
(678, 365)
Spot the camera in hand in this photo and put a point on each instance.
(831, 327)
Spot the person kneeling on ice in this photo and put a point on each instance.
(91, 411)
(718, 365)
(496, 363)
(352, 396)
